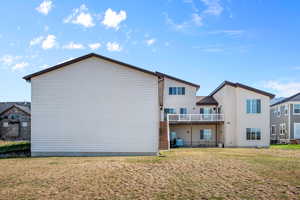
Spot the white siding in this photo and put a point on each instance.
(95, 106)
(233, 102)
(244, 120)
(226, 97)
(179, 101)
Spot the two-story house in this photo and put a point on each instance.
(233, 115)
(285, 120)
(95, 105)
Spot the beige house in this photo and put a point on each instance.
(233, 115)
(94, 105)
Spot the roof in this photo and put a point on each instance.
(24, 106)
(207, 100)
(242, 86)
(177, 79)
(28, 77)
(291, 98)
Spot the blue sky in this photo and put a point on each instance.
(203, 41)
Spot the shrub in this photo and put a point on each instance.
(14, 147)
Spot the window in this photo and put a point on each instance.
(172, 91)
(286, 109)
(183, 111)
(297, 109)
(278, 111)
(253, 106)
(206, 110)
(282, 129)
(24, 124)
(253, 134)
(169, 111)
(273, 130)
(205, 134)
(5, 124)
(176, 90)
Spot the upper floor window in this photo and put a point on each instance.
(278, 111)
(169, 111)
(206, 110)
(297, 109)
(24, 124)
(253, 134)
(176, 90)
(5, 124)
(183, 111)
(253, 106)
(286, 109)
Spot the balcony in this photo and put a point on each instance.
(194, 118)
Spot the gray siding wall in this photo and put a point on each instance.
(277, 120)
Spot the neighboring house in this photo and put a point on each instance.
(15, 121)
(94, 105)
(285, 120)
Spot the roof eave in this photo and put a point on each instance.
(28, 77)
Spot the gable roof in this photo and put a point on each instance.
(177, 79)
(242, 86)
(28, 77)
(207, 100)
(291, 98)
(24, 106)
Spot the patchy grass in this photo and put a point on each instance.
(286, 146)
(12, 146)
(178, 174)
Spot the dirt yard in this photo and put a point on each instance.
(179, 174)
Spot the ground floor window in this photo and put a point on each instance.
(205, 134)
(282, 129)
(253, 133)
(273, 130)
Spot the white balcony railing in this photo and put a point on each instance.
(195, 117)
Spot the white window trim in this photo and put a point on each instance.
(6, 124)
(294, 109)
(273, 125)
(23, 123)
(282, 127)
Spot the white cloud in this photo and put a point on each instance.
(80, 16)
(113, 19)
(177, 27)
(19, 66)
(113, 46)
(45, 7)
(283, 89)
(9, 59)
(73, 45)
(213, 7)
(233, 33)
(150, 41)
(49, 42)
(197, 19)
(94, 46)
(36, 41)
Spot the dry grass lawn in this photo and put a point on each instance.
(179, 174)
